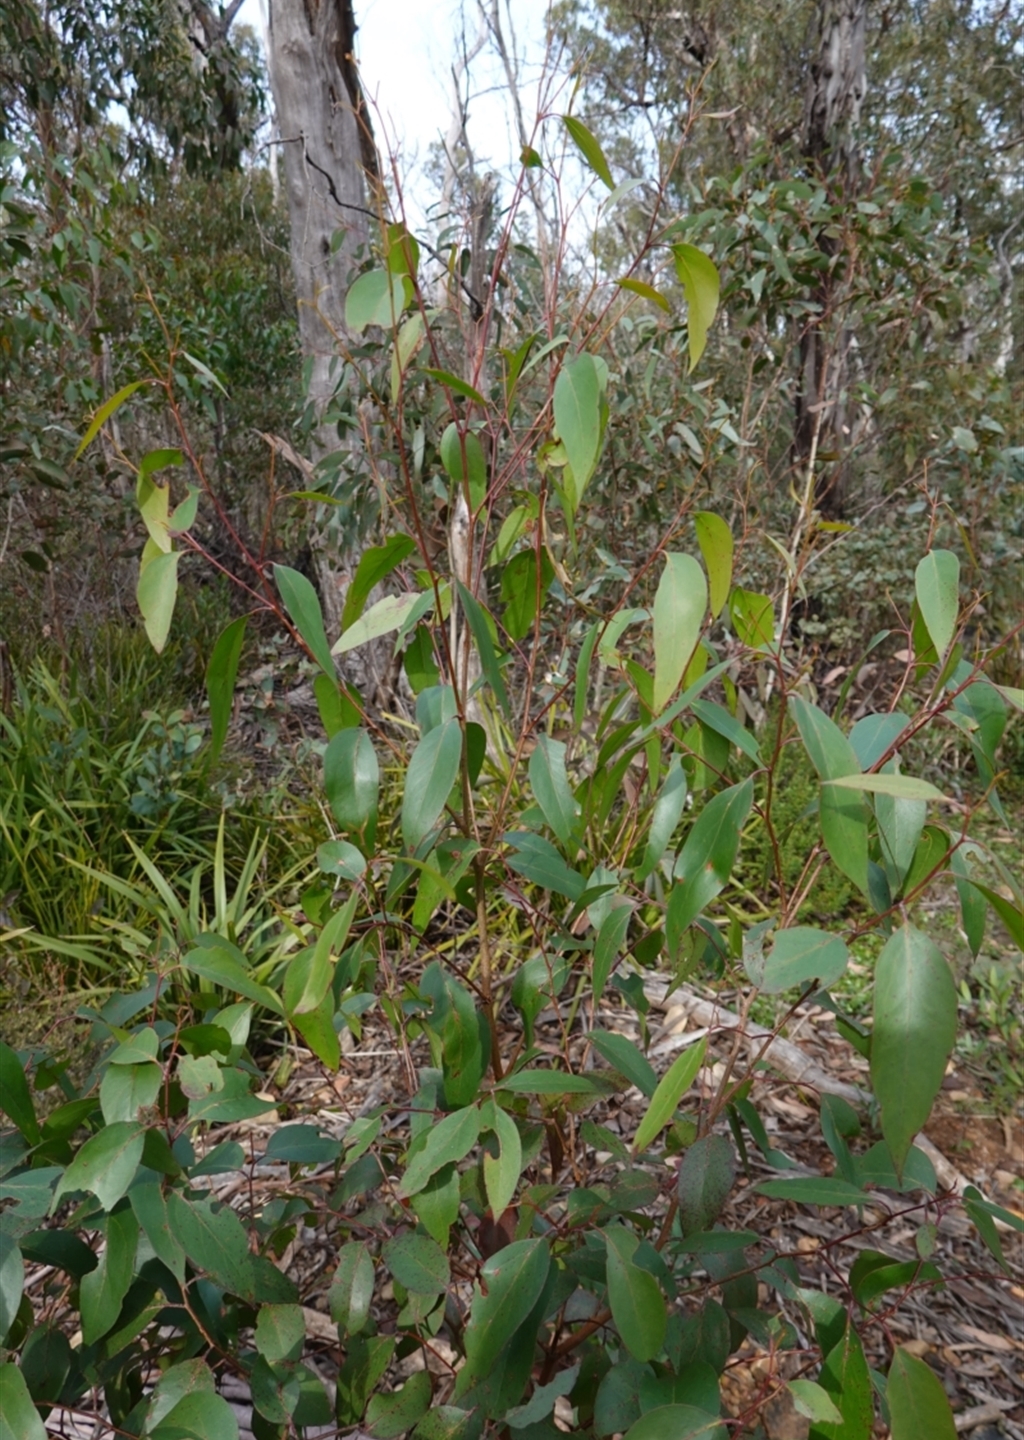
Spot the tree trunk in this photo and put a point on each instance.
(835, 92)
(329, 154)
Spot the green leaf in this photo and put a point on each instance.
(551, 786)
(449, 1422)
(150, 1206)
(224, 964)
(103, 414)
(105, 1165)
(648, 292)
(844, 817)
(221, 674)
(918, 1405)
(338, 857)
(672, 1086)
(204, 372)
(577, 407)
(538, 861)
(511, 1283)
(679, 606)
(914, 1030)
(706, 860)
(352, 780)
(753, 618)
(12, 1282)
(706, 1176)
(15, 1097)
(501, 1172)
(374, 565)
(125, 1089)
(900, 787)
(937, 587)
(625, 1056)
(844, 1377)
(376, 298)
(611, 937)
(19, 1418)
(317, 1029)
(521, 592)
(214, 1239)
(103, 1289)
(698, 276)
(303, 606)
(351, 1289)
(813, 1402)
(635, 1297)
(462, 455)
(199, 1416)
(433, 770)
(1010, 914)
(668, 810)
(156, 593)
(716, 718)
(677, 1422)
(715, 540)
(477, 618)
(418, 1263)
(460, 386)
(803, 953)
(390, 613)
(447, 1142)
(391, 1415)
(814, 1191)
(589, 148)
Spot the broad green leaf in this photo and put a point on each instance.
(125, 1089)
(156, 593)
(396, 1413)
(899, 787)
(374, 565)
(154, 502)
(224, 964)
(317, 1029)
(679, 606)
(937, 587)
(706, 1176)
(463, 457)
(433, 770)
(12, 1282)
(199, 1416)
(477, 618)
(352, 781)
(577, 406)
(447, 1142)
(706, 860)
(408, 340)
(449, 1422)
(188, 1378)
(19, 1418)
(388, 614)
(542, 1401)
(15, 1097)
(1009, 913)
(843, 815)
(352, 1288)
(460, 386)
(611, 936)
(825, 1190)
(668, 810)
(522, 593)
(753, 618)
(537, 860)
(900, 823)
(635, 1296)
(214, 1240)
(303, 606)
(813, 1402)
(918, 1405)
(648, 292)
(501, 1171)
(150, 1206)
(551, 787)
(103, 414)
(717, 718)
(589, 148)
(915, 1027)
(103, 1289)
(376, 298)
(844, 1377)
(677, 1422)
(105, 1165)
(672, 1086)
(339, 857)
(803, 953)
(626, 1057)
(306, 981)
(221, 674)
(511, 1283)
(418, 1263)
(715, 540)
(698, 276)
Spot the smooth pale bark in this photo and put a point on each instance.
(329, 155)
(835, 92)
